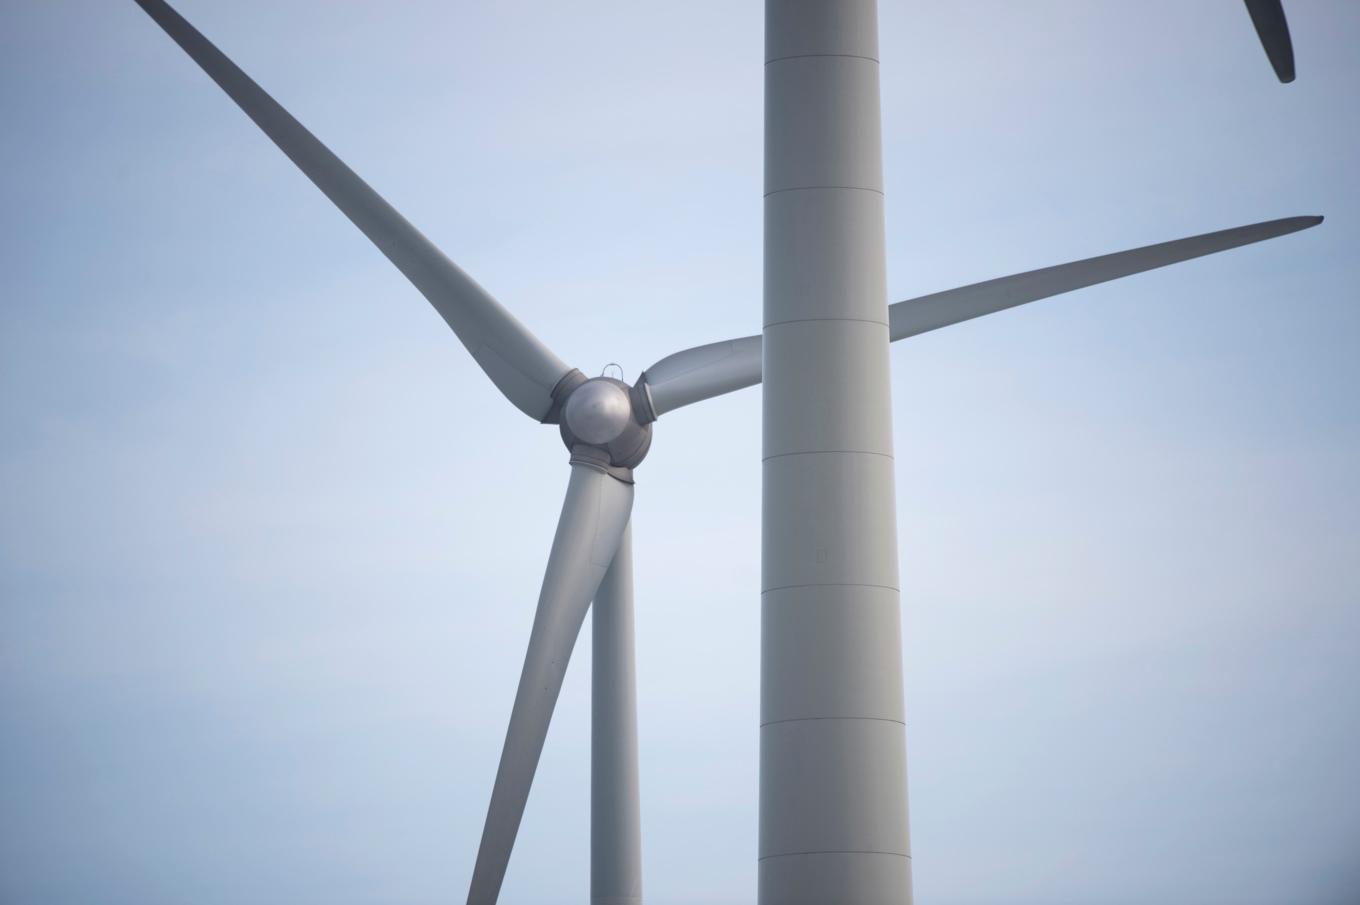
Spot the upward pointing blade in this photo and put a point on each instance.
(518, 364)
(589, 530)
(1273, 30)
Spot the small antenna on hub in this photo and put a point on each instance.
(617, 367)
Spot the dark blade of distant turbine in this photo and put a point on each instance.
(1273, 30)
(518, 364)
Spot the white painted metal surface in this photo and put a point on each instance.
(615, 809)
(833, 801)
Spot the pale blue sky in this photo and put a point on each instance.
(270, 543)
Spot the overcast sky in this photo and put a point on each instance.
(270, 543)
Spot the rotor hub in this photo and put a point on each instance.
(604, 419)
(598, 411)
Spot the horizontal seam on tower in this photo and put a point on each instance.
(803, 56)
(806, 719)
(830, 584)
(809, 188)
(817, 320)
(826, 452)
(835, 852)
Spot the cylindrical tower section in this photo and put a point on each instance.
(833, 797)
(615, 812)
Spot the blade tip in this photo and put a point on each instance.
(1294, 224)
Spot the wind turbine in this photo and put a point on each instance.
(832, 242)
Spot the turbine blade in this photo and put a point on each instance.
(1273, 30)
(717, 368)
(940, 309)
(518, 364)
(589, 532)
(701, 373)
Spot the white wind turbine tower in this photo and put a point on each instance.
(833, 818)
